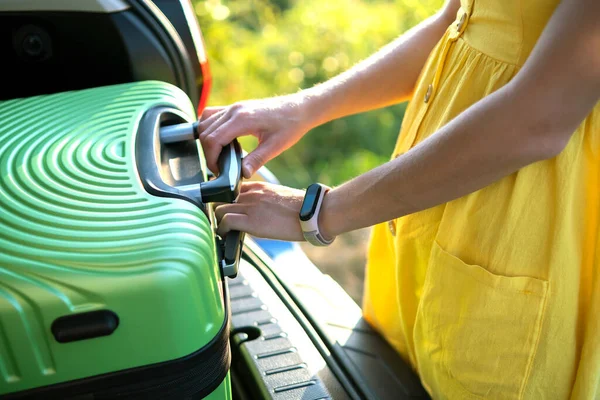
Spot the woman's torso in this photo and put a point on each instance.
(494, 295)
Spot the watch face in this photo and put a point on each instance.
(309, 205)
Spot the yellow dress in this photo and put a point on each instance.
(495, 295)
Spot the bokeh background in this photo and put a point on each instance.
(263, 48)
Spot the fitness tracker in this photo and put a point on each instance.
(309, 215)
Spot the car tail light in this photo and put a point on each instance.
(206, 83)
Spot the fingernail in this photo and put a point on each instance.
(248, 171)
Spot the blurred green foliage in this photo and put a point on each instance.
(262, 48)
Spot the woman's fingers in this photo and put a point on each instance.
(251, 186)
(219, 130)
(233, 222)
(208, 125)
(221, 137)
(225, 134)
(224, 209)
(259, 157)
(276, 122)
(210, 111)
(263, 210)
(213, 122)
(211, 147)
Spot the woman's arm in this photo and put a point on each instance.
(386, 77)
(529, 119)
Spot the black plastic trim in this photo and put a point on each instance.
(272, 353)
(174, 11)
(287, 298)
(169, 37)
(193, 376)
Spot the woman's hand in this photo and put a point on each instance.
(277, 123)
(263, 210)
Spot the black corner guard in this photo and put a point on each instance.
(193, 376)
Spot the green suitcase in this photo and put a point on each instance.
(111, 283)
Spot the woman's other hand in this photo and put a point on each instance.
(263, 210)
(277, 123)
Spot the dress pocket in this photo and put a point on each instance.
(476, 333)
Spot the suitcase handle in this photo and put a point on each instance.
(226, 187)
(231, 248)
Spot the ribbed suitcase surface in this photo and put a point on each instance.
(96, 275)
